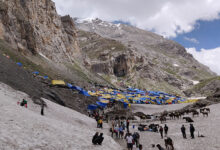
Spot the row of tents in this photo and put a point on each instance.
(131, 95)
(137, 96)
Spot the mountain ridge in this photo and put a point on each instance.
(95, 51)
(161, 59)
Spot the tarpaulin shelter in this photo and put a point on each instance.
(57, 82)
(69, 85)
(101, 104)
(36, 73)
(19, 64)
(76, 88)
(84, 92)
(92, 107)
(125, 105)
(46, 77)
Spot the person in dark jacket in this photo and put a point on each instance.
(95, 137)
(183, 130)
(165, 129)
(161, 131)
(169, 143)
(127, 125)
(192, 130)
(99, 139)
(24, 102)
(42, 107)
(136, 138)
(140, 147)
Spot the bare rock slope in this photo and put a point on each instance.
(138, 58)
(96, 51)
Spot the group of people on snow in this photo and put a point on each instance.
(97, 138)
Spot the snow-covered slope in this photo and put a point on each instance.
(60, 129)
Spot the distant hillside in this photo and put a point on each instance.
(205, 87)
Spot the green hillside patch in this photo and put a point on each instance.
(203, 83)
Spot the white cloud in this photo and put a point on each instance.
(165, 17)
(192, 40)
(208, 57)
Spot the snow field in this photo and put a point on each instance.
(207, 126)
(60, 129)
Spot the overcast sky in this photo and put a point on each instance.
(170, 18)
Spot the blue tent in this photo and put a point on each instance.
(19, 64)
(76, 88)
(46, 77)
(92, 107)
(101, 104)
(69, 85)
(158, 102)
(143, 98)
(36, 72)
(84, 93)
(125, 105)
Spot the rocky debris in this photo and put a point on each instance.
(142, 115)
(120, 114)
(215, 97)
(197, 105)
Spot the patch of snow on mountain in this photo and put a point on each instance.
(175, 65)
(195, 82)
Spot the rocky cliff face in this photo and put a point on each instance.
(119, 54)
(35, 26)
(35, 30)
(139, 58)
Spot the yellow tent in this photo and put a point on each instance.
(57, 82)
(92, 94)
(105, 101)
(106, 96)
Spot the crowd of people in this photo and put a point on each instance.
(120, 130)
